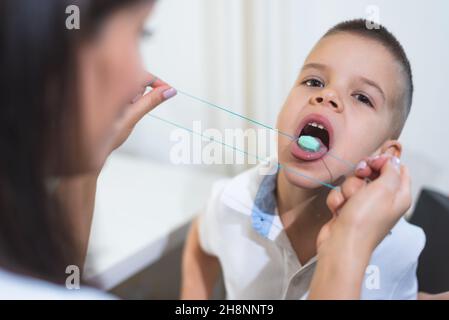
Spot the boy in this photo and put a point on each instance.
(352, 97)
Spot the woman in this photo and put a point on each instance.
(66, 105)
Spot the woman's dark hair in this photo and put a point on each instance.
(38, 120)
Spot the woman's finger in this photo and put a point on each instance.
(363, 170)
(351, 186)
(389, 179)
(369, 168)
(335, 200)
(404, 194)
(337, 197)
(148, 102)
(376, 163)
(150, 80)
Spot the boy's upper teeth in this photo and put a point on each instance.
(314, 124)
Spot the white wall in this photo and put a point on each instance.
(246, 53)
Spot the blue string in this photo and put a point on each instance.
(213, 105)
(235, 114)
(212, 139)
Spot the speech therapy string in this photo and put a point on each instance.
(235, 114)
(212, 139)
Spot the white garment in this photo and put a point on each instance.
(241, 227)
(17, 287)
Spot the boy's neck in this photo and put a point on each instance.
(303, 212)
(299, 204)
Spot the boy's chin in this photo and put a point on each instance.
(306, 180)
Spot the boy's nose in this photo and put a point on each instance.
(328, 97)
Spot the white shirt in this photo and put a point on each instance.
(241, 227)
(17, 287)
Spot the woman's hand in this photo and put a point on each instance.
(141, 105)
(363, 214)
(368, 210)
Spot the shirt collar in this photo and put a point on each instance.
(253, 193)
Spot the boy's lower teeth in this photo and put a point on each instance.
(309, 143)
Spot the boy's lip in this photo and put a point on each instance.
(304, 155)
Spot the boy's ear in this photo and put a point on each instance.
(392, 147)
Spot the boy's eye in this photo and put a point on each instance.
(363, 99)
(313, 83)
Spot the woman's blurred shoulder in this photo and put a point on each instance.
(19, 287)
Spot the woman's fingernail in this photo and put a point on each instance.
(169, 93)
(396, 162)
(361, 165)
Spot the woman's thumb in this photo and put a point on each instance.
(390, 175)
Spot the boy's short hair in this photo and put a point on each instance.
(380, 34)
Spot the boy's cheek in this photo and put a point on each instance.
(356, 144)
(361, 146)
(286, 121)
(289, 117)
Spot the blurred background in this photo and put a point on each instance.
(244, 54)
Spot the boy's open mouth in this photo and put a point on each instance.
(318, 131)
(314, 138)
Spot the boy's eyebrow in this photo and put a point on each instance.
(314, 65)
